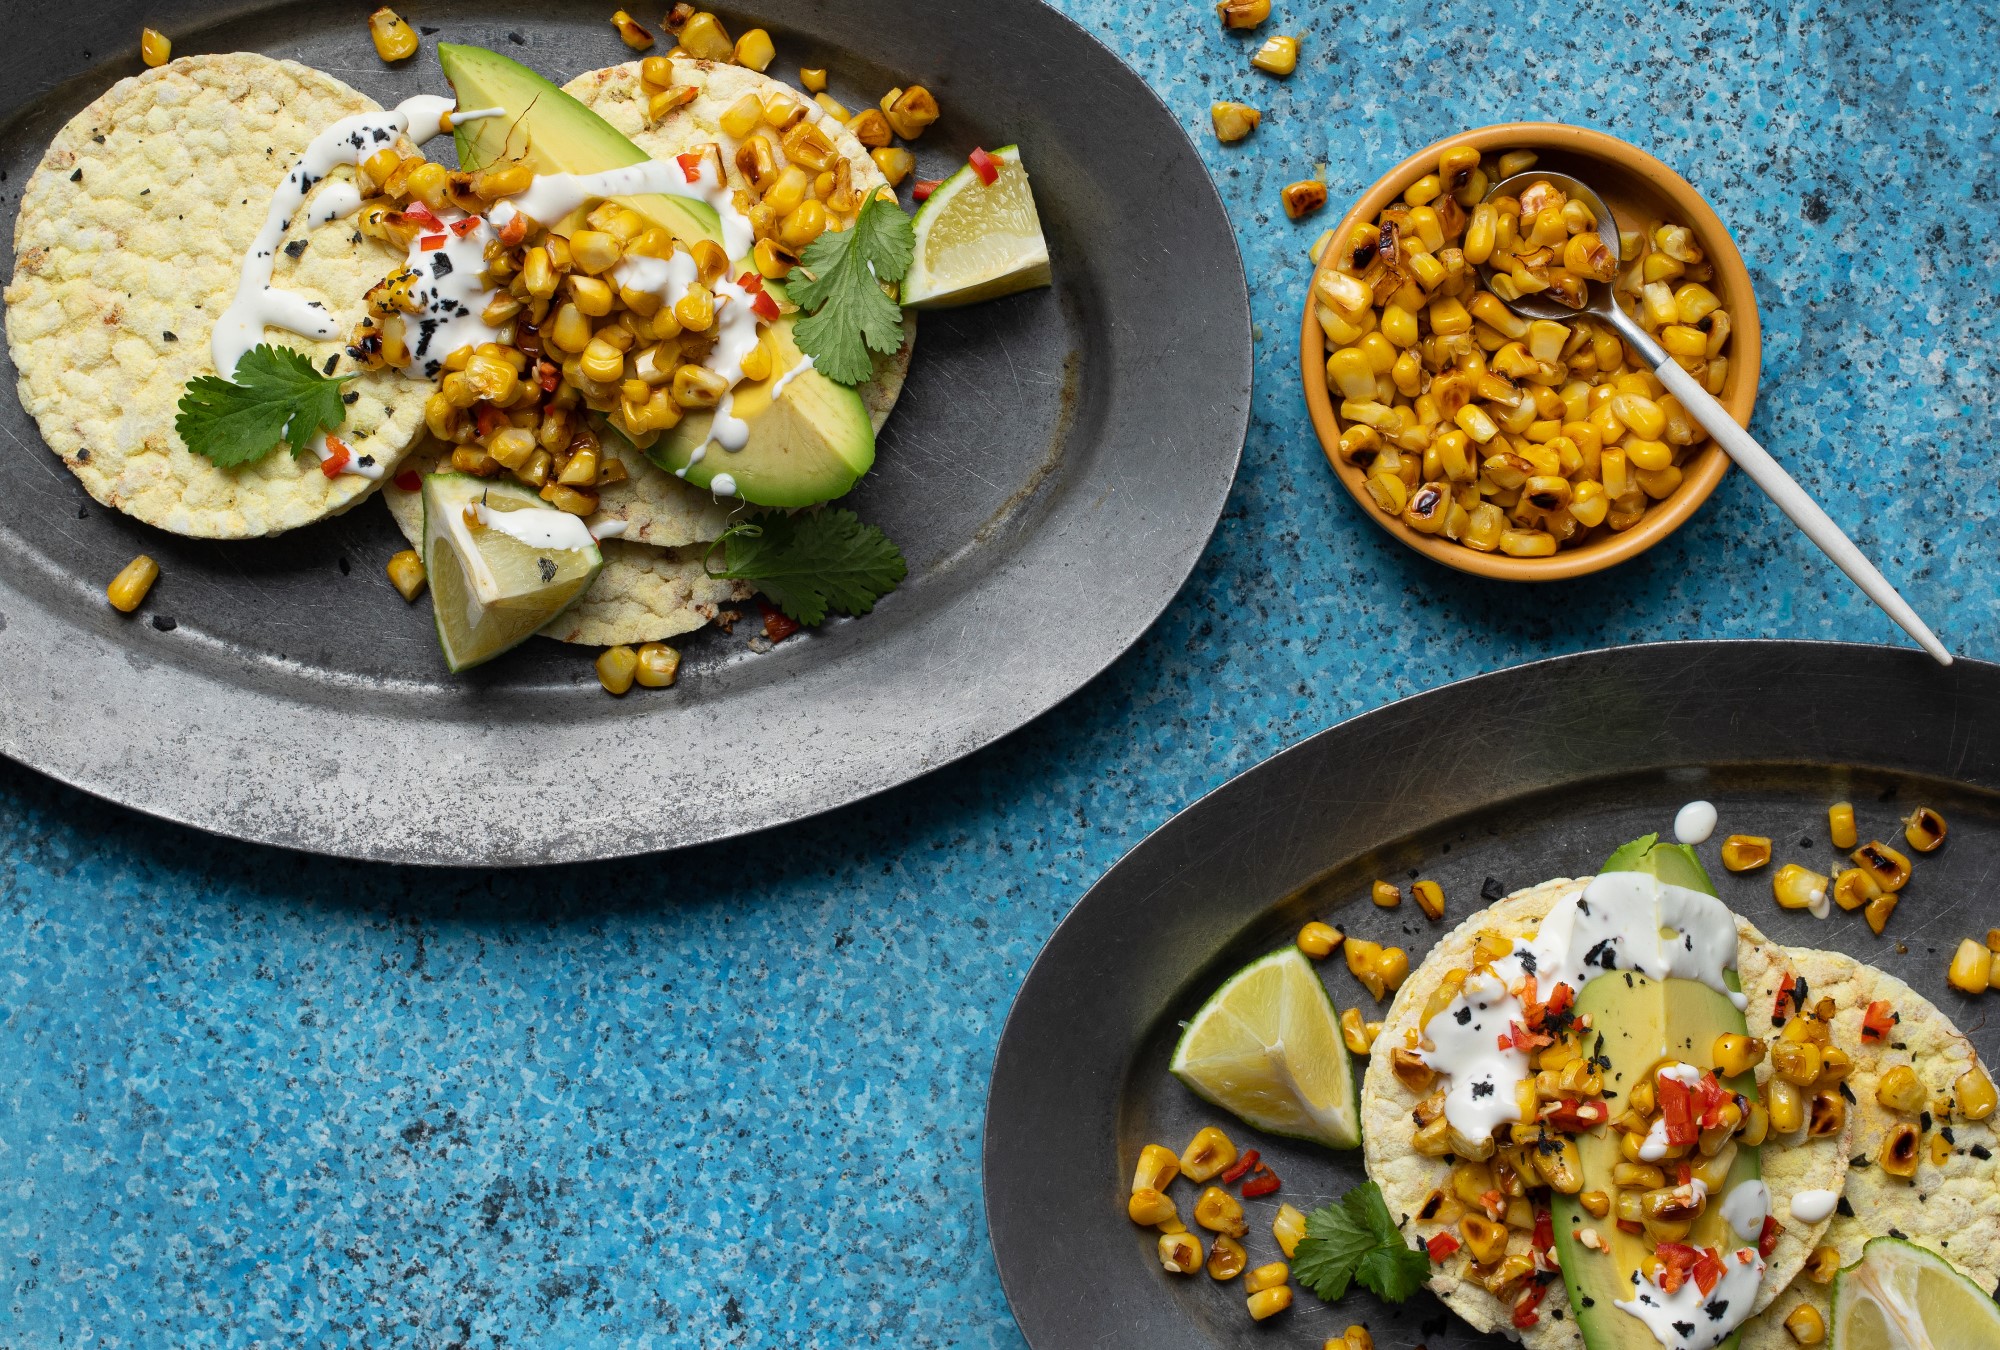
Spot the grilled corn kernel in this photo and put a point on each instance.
(1180, 1253)
(1561, 1167)
(1288, 1228)
(1973, 1096)
(1878, 910)
(803, 225)
(1900, 1151)
(704, 38)
(1278, 56)
(1391, 966)
(1735, 1054)
(1266, 1277)
(1885, 867)
(128, 589)
(1840, 824)
(1786, 1105)
(1806, 1325)
(755, 50)
(1796, 1062)
(1303, 197)
(1233, 121)
(630, 32)
(1900, 1089)
(1358, 1035)
(1485, 1239)
(394, 39)
(1268, 1303)
(1385, 894)
(1209, 1152)
(1797, 887)
(667, 100)
(406, 573)
(1971, 968)
(910, 111)
(1318, 940)
(1854, 888)
(894, 162)
(1226, 1259)
(616, 667)
(1157, 1166)
(1827, 1116)
(1823, 1264)
(1745, 852)
(698, 387)
(1924, 829)
(1149, 1207)
(154, 48)
(832, 107)
(1219, 1212)
(1835, 1065)
(1242, 13)
(1527, 543)
(1430, 898)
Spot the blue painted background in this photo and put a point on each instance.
(734, 1098)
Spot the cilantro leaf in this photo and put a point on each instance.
(1356, 1239)
(847, 315)
(276, 397)
(808, 564)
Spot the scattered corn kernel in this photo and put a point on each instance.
(394, 39)
(1357, 1034)
(406, 573)
(1840, 824)
(1288, 1227)
(1303, 197)
(1806, 1325)
(1797, 887)
(1318, 940)
(1745, 852)
(1233, 121)
(1278, 55)
(1209, 1152)
(1430, 898)
(154, 48)
(1266, 1277)
(1972, 1094)
(754, 50)
(630, 32)
(1180, 1253)
(1924, 829)
(1385, 894)
(1269, 1302)
(1243, 13)
(127, 590)
(1971, 969)
(1226, 1259)
(616, 668)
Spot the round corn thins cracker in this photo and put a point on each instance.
(1407, 1178)
(1951, 1207)
(129, 243)
(657, 507)
(644, 593)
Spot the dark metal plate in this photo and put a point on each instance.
(1519, 776)
(1054, 469)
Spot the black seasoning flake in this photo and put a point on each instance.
(1924, 1119)
(1717, 1310)
(440, 264)
(76, 177)
(1528, 962)
(1947, 1135)
(1589, 1302)
(296, 249)
(352, 396)
(1858, 1160)
(167, 335)
(331, 362)
(547, 568)
(1848, 1092)
(1895, 1232)
(1841, 1207)
(1981, 1152)
(1686, 1330)
(1603, 957)
(164, 624)
(1462, 1016)
(365, 462)
(1492, 889)
(517, 39)
(1482, 1090)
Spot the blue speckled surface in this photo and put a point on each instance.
(734, 1097)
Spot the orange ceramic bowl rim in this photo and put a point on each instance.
(1701, 473)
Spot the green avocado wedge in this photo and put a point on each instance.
(1640, 1021)
(808, 445)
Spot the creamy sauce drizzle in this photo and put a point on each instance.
(801, 368)
(723, 485)
(361, 466)
(553, 196)
(1695, 823)
(606, 529)
(537, 527)
(1746, 1207)
(451, 284)
(1687, 1319)
(1812, 1206)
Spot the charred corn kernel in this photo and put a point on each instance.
(812, 79)
(1756, 1124)
(616, 667)
(1682, 340)
(698, 387)
(1900, 1089)
(832, 107)
(1973, 1097)
(1786, 1104)
(512, 446)
(1357, 1035)
(742, 117)
(1639, 1176)
(1303, 197)
(1735, 1054)
(394, 39)
(595, 251)
(755, 50)
(1209, 1152)
(1885, 867)
(1527, 543)
(1391, 966)
(1835, 1065)
(1226, 1259)
(667, 100)
(592, 297)
(1220, 1212)
(1267, 1303)
(1827, 1115)
(1924, 829)
(1854, 888)
(1278, 56)
(894, 162)
(1233, 121)
(1840, 824)
(1430, 898)
(656, 72)
(1797, 887)
(128, 589)
(1878, 910)
(1745, 852)
(1901, 1149)
(1157, 1166)
(695, 310)
(910, 111)
(1823, 1264)
(1357, 1338)
(630, 32)
(1148, 1207)
(803, 225)
(704, 38)
(154, 49)
(774, 261)
(1410, 1070)
(428, 183)
(1596, 1203)
(1485, 1239)
(1561, 1167)
(1318, 940)
(406, 573)
(1266, 1277)
(563, 497)
(1243, 13)
(1180, 1253)
(571, 330)
(1971, 969)
(602, 361)
(1385, 894)
(1796, 1062)
(1806, 1325)
(1288, 1228)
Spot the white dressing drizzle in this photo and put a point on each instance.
(1746, 1207)
(801, 368)
(1654, 1147)
(1695, 822)
(1812, 1206)
(606, 529)
(362, 466)
(536, 526)
(723, 485)
(451, 284)
(553, 196)
(1687, 1319)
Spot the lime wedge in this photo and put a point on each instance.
(502, 563)
(1266, 1047)
(976, 241)
(1900, 1296)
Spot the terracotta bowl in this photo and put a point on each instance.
(1637, 188)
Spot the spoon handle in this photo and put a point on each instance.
(1780, 486)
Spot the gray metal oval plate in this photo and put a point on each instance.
(1496, 782)
(1053, 471)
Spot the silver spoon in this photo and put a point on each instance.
(1740, 445)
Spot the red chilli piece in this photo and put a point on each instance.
(765, 307)
(1781, 1005)
(1525, 1315)
(1630, 1226)
(423, 215)
(983, 164)
(1767, 1241)
(1241, 1168)
(1576, 1117)
(690, 163)
(1878, 1021)
(337, 457)
(409, 480)
(515, 231)
(431, 243)
(461, 228)
(489, 419)
(922, 189)
(1545, 1231)
(778, 625)
(1677, 1110)
(1561, 1001)
(1261, 1182)
(1708, 1271)
(751, 282)
(1441, 1246)
(548, 375)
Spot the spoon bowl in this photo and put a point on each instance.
(1543, 304)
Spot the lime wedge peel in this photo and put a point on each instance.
(976, 241)
(1900, 1296)
(1267, 1048)
(490, 590)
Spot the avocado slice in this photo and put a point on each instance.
(816, 440)
(551, 132)
(1641, 1021)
